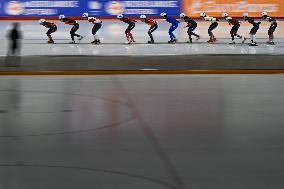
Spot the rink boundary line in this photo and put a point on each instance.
(136, 72)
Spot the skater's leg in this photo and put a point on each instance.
(49, 32)
(171, 32)
(131, 36)
(254, 38)
(72, 34)
(128, 34)
(95, 29)
(174, 28)
(190, 33)
(150, 35)
(196, 35)
(232, 35)
(210, 33)
(239, 36)
(253, 34)
(271, 32)
(151, 30)
(49, 38)
(251, 38)
(236, 29)
(131, 28)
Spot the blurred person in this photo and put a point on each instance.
(131, 26)
(173, 27)
(272, 27)
(73, 30)
(52, 28)
(97, 25)
(213, 26)
(14, 36)
(191, 25)
(236, 25)
(254, 29)
(153, 26)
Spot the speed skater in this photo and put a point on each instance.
(153, 26)
(131, 26)
(73, 30)
(214, 25)
(52, 28)
(173, 27)
(97, 25)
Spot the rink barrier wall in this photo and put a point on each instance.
(235, 8)
(51, 9)
(105, 8)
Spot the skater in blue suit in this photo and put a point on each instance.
(174, 26)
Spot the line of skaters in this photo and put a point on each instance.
(191, 25)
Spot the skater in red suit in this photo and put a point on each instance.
(73, 30)
(131, 25)
(97, 25)
(234, 31)
(153, 26)
(52, 28)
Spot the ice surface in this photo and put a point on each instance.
(217, 131)
(113, 39)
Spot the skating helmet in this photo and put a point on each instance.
(264, 14)
(225, 15)
(61, 16)
(202, 14)
(163, 14)
(85, 15)
(182, 15)
(245, 14)
(119, 16)
(41, 21)
(143, 16)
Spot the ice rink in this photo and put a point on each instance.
(154, 132)
(113, 39)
